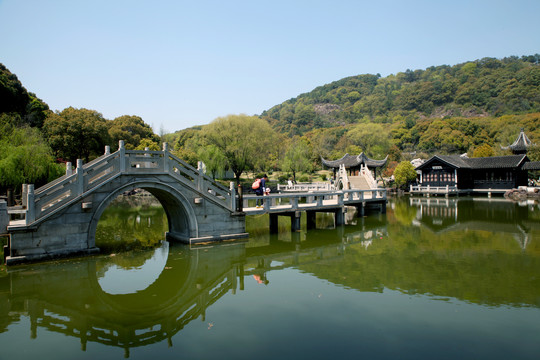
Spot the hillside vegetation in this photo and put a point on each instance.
(474, 107)
(486, 87)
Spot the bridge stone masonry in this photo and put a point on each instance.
(60, 218)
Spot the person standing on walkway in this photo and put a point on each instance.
(261, 190)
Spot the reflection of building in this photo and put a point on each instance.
(494, 215)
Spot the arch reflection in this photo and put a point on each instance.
(69, 298)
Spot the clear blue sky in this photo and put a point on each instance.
(183, 63)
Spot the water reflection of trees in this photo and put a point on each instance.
(481, 266)
(131, 222)
(450, 249)
(65, 297)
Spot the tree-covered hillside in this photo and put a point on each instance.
(486, 87)
(475, 107)
(34, 141)
(17, 101)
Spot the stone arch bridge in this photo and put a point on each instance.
(61, 217)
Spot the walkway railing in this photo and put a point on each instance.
(433, 189)
(87, 177)
(306, 201)
(364, 171)
(306, 187)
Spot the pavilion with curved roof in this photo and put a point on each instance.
(521, 145)
(353, 163)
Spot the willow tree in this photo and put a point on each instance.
(25, 157)
(213, 158)
(245, 141)
(298, 157)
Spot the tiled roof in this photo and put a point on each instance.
(354, 160)
(454, 160)
(521, 144)
(532, 165)
(494, 162)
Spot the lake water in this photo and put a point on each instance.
(433, 278)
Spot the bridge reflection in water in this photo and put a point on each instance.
(442, 257)
(98, 300)
(69, 298)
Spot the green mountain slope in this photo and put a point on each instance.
(485, 87)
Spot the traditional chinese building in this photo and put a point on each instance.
(483, 173)
(354, 163)
(497, 172)
(521, 145)
(355, 171)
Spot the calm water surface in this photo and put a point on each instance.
(438, 278)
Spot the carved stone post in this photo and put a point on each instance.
(31, 208)
(166, 157)
(80, 177)
(122, 151)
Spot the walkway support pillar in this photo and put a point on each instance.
(274, 223)
(295, 221)
(361, 209)
(340, 216)
(311, 220)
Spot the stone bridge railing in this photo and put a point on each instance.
(48, 199)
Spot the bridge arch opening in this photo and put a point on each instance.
(133, 220)
(177, 215)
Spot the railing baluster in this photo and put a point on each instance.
(80, 177)
(166, 167)
(122, 152)
(31, 205)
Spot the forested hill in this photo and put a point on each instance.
(17, 101)
(486, 87)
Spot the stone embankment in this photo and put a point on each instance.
(523, 193)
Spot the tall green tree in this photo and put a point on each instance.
(76, 134)
(483, 150)
(404, 173)
(298, 157)
(132, 129)
(243, 140)
(371, 138)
